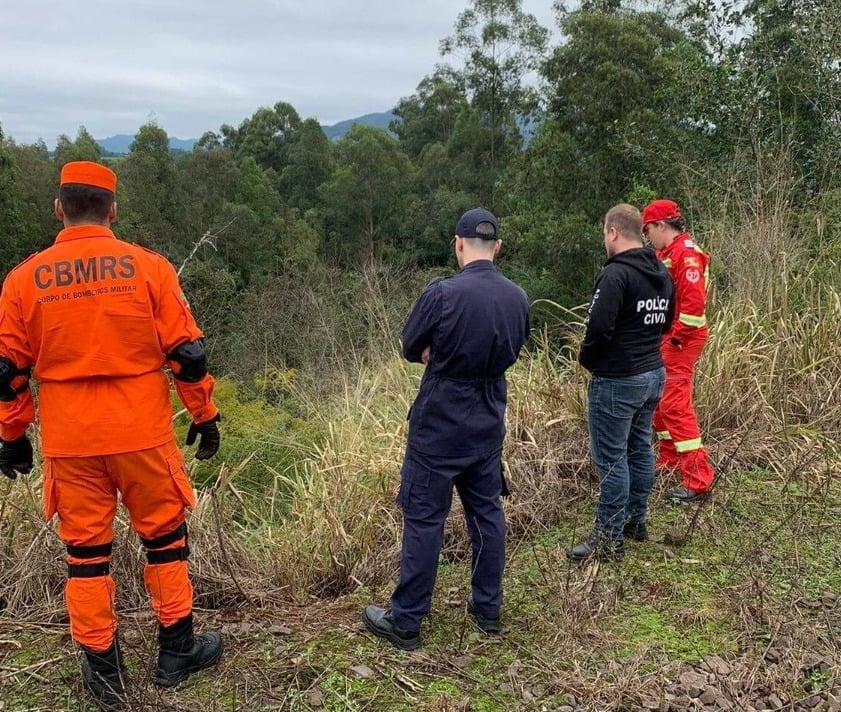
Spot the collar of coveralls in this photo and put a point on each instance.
(79, 232)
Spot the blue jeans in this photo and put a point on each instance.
(620, 412)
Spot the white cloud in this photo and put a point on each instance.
(194, 65)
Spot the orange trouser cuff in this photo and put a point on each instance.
(171, 591)
(90, 603)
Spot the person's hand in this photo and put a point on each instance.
(208, 432)
(425, 355)
(16, 457)
(674, 341)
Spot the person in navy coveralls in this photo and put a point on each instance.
(468, 329)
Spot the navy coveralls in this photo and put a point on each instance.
(475, 324)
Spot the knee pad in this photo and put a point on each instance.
(97, 551)
(157, 554)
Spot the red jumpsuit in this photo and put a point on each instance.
(675, 421)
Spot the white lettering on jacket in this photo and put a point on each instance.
(655, 310)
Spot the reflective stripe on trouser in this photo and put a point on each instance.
(83, 492)
(675, 421)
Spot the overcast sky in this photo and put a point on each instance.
(195, 64)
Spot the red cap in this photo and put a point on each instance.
(89, 173)
(660, 210)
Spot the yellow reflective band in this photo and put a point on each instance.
(696, 321)
(688, 445)
(667, 263)
(664, 435)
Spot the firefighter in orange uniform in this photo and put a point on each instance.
(681, 448)
(94, 320)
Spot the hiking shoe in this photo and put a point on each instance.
(103, 674)
(182, 652)
(486, 625)
(597, 546)
(684, 494)
(380, 622)
(636, 531)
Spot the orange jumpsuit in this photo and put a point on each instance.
(93, 317)
(675, 421)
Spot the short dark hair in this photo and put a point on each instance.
(678, 224)
(626, 219)
(85, 202)
(486, 230)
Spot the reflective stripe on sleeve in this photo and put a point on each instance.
(691, 320)
(663, 435)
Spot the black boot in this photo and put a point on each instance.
(183, 653)
(597, 546)
(103, 674)
(636, 531)
(381, 624)
(486, 625)
(684, 494)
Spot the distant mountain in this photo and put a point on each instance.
(120, 143)
(377, 121)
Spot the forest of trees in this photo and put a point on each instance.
(625, 101)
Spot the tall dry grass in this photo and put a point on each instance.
(767, 390)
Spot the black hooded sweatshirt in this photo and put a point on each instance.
(633, 306)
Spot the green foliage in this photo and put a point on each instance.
(500, 44)
(31, 188)
(150, 194)
(277, 229)
(429, 116)
(10, 217)
(266, 136)
(364, 201)
(618, 86)
(271, 436)
(310, 163)
(84, 148)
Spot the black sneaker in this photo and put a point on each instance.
(597, 546)
(103, 675)
(182, 652)
(486, 625)
(684, 494)
(636, 531)
(381, 624)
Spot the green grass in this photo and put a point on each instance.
(571, 629)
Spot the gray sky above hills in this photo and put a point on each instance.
(195, 64)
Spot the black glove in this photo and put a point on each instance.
(16, 457)
(674, 341)
(209, 432)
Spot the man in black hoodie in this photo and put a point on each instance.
(632, 307)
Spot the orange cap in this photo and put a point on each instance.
(89, 173)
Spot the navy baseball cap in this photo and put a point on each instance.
(478, 223)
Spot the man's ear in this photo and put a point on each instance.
(58, 210)
(497, 248)
(112, 212)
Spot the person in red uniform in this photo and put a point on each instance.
(94, 320)
(681, 448)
